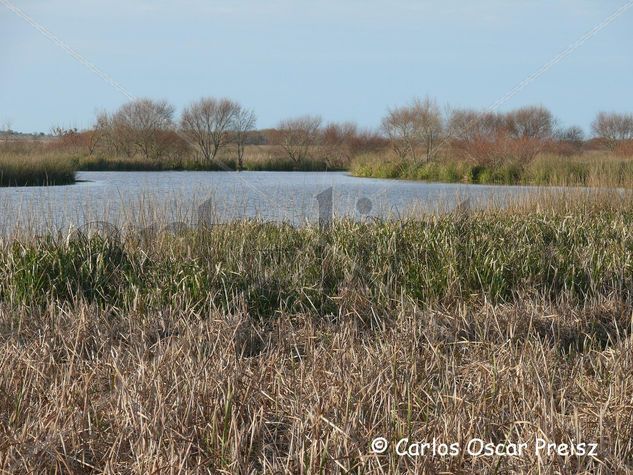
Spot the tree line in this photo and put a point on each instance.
(418, 131)
(209, 126)
(421, 130)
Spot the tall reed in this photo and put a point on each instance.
(263, 348)
(36, 169)
(590, 169)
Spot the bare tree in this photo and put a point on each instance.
(101, 133)
(338, 141)
(470, 125)
(571, 134)
(208, 122)
(430, 123)
(68, 137)
(613, 127)
(243, 123)
(296, 136)
(531, 123)
(415, 126)
(117, 136)
(490, 137)
(574, 136)
(137, 126)
(530, 130)
(479, 136)
(399, 127)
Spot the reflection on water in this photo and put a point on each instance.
(144, 197)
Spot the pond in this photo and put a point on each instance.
(193, 197)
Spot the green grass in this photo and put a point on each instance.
(584, 170)
(598, 170)
(273, 269)
(36, 170)
(264, 348)
(449, 171)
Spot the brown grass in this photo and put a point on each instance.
(206, 353)
(174, 391)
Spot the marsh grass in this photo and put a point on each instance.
(94, 163)
(35, 164)
(590, 169)
(433, 260)
(256, 158)
(255, 347)
(39, 169)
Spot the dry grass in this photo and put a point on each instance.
(253, 348)
(36, 169)
(34, 164)
(174, 391)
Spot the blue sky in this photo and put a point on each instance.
(343, 60)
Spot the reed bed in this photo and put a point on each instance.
(36, 169)
(256, 158)
(253, 347)
(25, 164)
(36, 164)
(593, 169)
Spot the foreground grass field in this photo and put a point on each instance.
(255, 347)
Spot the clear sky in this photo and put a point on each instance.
(342, 59)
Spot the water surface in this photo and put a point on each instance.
(141, 197)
